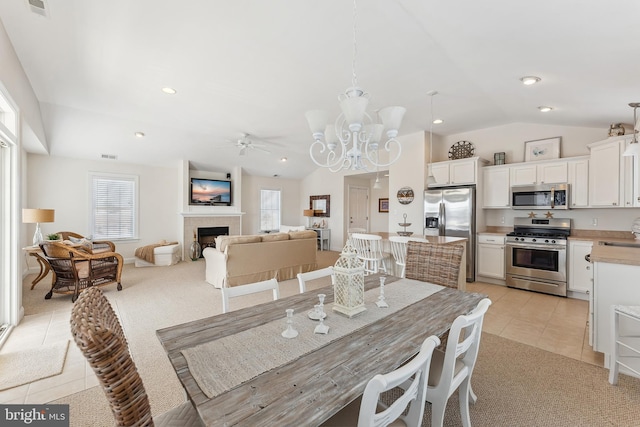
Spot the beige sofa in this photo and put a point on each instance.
(237, 260)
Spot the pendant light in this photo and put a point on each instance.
(634, 147)
(431, 180)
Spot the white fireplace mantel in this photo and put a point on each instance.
(205, 214)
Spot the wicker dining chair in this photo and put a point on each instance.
(99, 335)
(434, 263)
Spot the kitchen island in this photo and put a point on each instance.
(615, 281)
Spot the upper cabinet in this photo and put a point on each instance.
(456, 172)
(612, 181)
(496, 187)
(578, 179)
(535, 173)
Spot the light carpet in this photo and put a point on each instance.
(517, 385)
(32, 364)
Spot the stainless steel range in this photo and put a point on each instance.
(537, 255)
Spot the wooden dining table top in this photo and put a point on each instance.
(313, 387)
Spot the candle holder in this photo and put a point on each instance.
(381, 303)
(289, 332)
(321, 328)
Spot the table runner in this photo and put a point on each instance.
(250, 353)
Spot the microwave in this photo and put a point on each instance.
(542, 196)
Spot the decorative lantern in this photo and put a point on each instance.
(348, 287)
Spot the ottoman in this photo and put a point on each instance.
(164, 255)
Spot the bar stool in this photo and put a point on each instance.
(625, 345)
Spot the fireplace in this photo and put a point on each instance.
(207, 236)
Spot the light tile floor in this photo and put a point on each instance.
(552, 323)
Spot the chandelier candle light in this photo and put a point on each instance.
(353, 142)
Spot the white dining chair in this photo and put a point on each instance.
(369, 249)
(369, 411)
(251, 288)
(312, 275)
(399, 251)
(451, 370)
(625, 350)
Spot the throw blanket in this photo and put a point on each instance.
(146, 252)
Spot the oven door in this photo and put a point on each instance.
(547, 262)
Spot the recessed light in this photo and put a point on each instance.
(544, 109)
(169, 90)
(438, 121)
(530, 80)
(139, 134)
(283, 159)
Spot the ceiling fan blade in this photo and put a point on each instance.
(259, 148)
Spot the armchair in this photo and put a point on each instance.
(92, 246)
(75, 269)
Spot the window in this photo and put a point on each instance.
(114, 206)
(270, 210)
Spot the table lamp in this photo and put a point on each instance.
(308, 213)
(31, 216)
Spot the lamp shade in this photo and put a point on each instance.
(307, 212)
(392, 117)
(32, 216)
(317, 120)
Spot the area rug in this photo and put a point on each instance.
(25, 366)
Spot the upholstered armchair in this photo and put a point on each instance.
(75, 269)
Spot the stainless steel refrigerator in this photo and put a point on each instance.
(452, 212)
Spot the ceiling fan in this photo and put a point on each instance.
(245, 144)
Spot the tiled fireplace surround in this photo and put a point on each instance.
(192, 222)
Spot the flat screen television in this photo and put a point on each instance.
(210, 192)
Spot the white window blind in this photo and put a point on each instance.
(269, 210)
(114, 209)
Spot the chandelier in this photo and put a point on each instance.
(354, 141)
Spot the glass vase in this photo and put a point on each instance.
(195, 251)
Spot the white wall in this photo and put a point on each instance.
(379, 221)
(409, 171)
(511, 138)
(290, 199)
(63, 184)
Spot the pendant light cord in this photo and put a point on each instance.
(354, 79)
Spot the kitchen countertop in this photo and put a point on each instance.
(432, 239)
(610, 254)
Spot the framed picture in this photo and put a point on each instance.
(383, 205)
(542, 149)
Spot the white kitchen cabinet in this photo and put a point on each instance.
(491, 256)
(496, 187)
(456, 172)
(580, 270)
(610, 174)
(578, 179)
(539, 173)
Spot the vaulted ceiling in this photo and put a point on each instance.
(255, 66)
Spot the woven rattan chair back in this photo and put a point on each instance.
(439, 264)
(97, 332)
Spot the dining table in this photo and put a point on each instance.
(238, 370)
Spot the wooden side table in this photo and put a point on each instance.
(36, 252)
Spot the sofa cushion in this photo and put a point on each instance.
(223, 241)
(274, 237)
(306, 234)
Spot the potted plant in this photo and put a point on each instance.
(53, 237)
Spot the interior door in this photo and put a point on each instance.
(358, 208)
